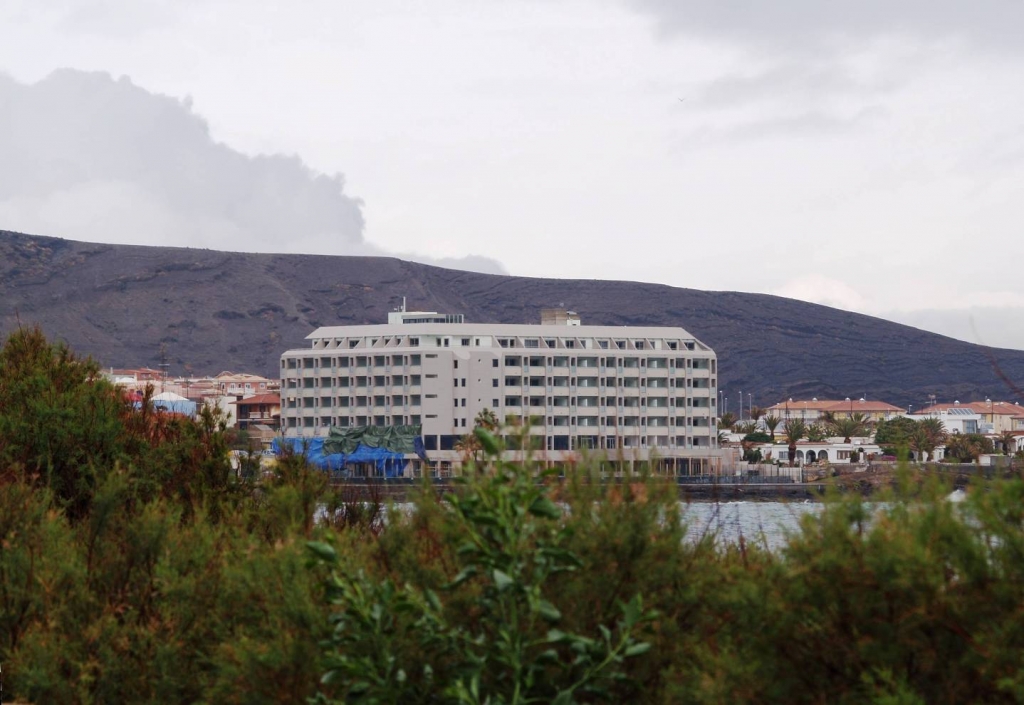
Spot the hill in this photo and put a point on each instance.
(222, 310)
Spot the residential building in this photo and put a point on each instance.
(819, 452)
(241, 384)
(262, 409)
(996, 416)
(633, 392)
(954, 419)
(815, 410)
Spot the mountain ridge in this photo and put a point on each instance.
(216, 310)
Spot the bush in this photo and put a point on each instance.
(136, 568)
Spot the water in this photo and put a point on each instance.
(764, 523)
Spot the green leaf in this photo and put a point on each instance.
(632, 611)
(544, 507)
(564, 697)
(502, 580)
(487, 441)
(432, 599)
(547, 657)
(557, 636)
(641, 647)
(464, 575)
(548, 611)
(323, 551)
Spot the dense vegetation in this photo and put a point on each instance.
(135, 566)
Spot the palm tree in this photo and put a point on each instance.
(936, 433)
(816, 432)
(487, 420)
(744, 428)
(794, 430)
(727, 420)
(469, 446)
(968, 447)
(1009, 442)
(922, 443)
(756, 412)
(854, 425)
(771, 423)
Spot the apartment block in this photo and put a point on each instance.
(633, 393)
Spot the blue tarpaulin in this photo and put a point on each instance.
(388, 463)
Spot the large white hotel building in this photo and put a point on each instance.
(629, 393)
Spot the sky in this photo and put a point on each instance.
(866, 155)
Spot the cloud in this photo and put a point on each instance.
(996, 326)
(804, 24)
(820, 289)
(92, 158)
(790, 81)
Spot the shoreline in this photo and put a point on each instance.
(399, 489)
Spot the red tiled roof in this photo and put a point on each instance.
(818, 404)
(864, 405)
(999, 408)
(260, 399)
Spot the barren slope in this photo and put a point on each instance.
(221, 310)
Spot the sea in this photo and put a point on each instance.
(764, 523)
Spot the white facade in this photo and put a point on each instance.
(632, 392)
(955, 420)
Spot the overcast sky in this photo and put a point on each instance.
(868, 155)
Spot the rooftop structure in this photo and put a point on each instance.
(559, 317)
(403, 317)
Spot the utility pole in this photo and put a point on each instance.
(163, 367)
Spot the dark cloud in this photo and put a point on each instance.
(813, 23)
(89, 157)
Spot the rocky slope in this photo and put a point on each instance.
(221, 310)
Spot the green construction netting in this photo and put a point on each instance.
(397, 439)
